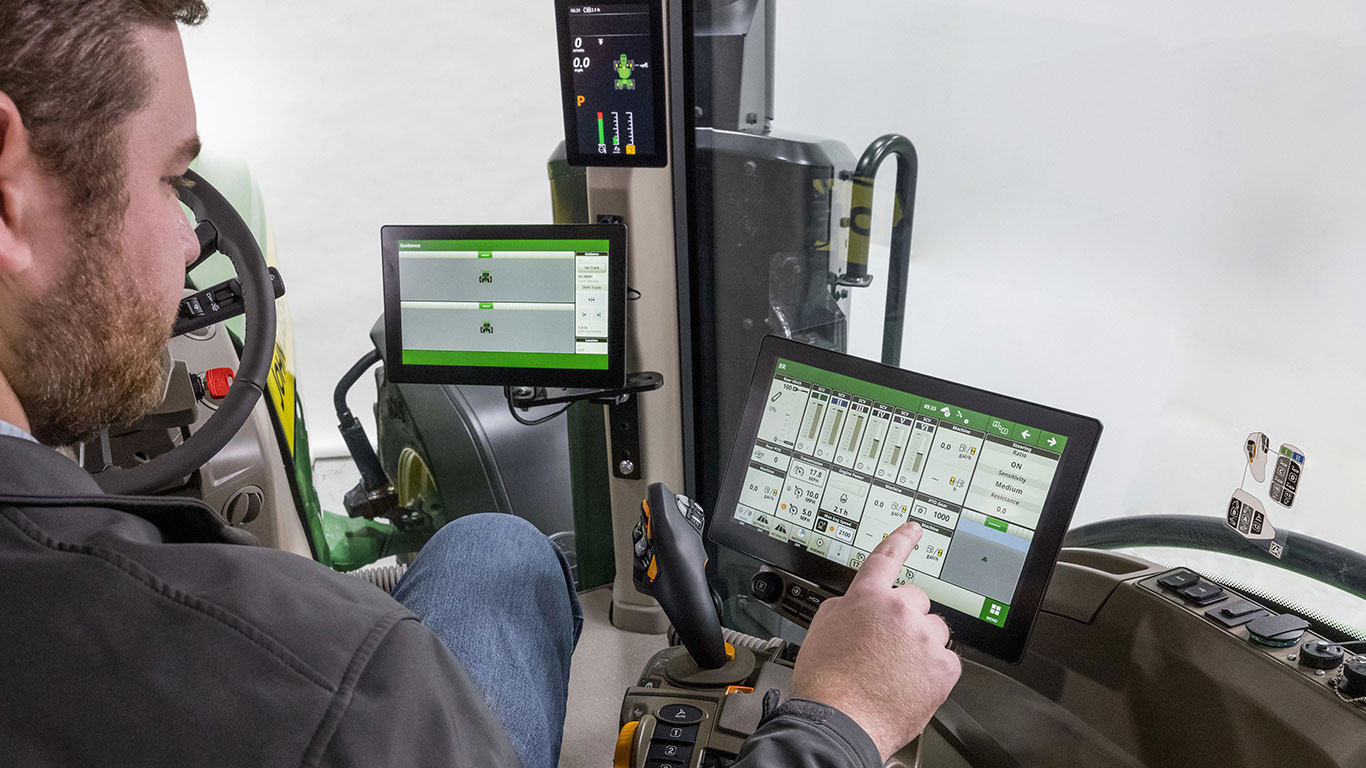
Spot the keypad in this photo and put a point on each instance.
(675, 736)
(1285, 481)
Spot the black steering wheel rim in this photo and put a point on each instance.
(236, 241)
(1317, 559)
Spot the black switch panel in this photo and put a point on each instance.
(218, 303)
(1203, 593)
(1178, 579)
(1237, 613)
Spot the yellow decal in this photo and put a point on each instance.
(280, 386)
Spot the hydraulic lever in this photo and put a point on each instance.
(670, 566)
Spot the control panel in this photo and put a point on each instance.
(667, 725)
(793, 598)
(1283, 638)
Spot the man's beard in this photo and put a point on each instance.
(93, 351)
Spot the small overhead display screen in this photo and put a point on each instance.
(612, 77)
(509, 305)
(834, 453)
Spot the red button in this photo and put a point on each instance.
(218, 380)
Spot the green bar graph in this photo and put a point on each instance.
(602, 131)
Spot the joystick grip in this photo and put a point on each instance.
(670, 566)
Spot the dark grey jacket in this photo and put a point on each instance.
(135, 639)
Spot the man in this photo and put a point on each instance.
(125, 640)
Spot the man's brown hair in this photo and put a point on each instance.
(74, 71)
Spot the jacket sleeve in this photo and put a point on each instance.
(807, 734)
(411, 704)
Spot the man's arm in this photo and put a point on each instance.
(874, 668)
(808, 734)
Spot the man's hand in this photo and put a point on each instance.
(876, 655)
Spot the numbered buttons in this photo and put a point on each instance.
(670, 753)
(675, 736)
(678, 734)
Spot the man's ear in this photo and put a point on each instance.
(15, 165)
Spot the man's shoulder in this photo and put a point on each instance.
(114, 569)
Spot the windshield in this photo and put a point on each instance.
(1152, 218)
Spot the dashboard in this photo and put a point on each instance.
(1132, 665)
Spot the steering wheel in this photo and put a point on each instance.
(1321, 560)
(220, 229)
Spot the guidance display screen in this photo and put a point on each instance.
(612, 73)
(516, 307)
(828, 462)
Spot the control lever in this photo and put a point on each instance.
(670, 566)
(218, 303)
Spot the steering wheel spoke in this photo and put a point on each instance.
(207, 234)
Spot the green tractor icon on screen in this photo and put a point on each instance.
(625, 69)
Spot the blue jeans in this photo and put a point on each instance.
(499, 596)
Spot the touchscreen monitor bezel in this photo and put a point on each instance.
(1006, 642)
(659, 158)
(613, 377)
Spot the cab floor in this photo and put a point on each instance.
(606, 662)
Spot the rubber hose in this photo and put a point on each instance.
(385, 577)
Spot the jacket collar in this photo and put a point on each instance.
(10, 430)
(34, 475)
(27, 468)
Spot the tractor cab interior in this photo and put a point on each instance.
(719, 373)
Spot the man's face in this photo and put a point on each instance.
(105, 284)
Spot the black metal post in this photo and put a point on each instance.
(903, 217)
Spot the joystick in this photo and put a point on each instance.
(670, 566)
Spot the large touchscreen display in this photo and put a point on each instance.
(838, 463)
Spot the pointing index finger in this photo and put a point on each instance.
(883, 564)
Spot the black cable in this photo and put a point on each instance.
(353, 432)
(349, 379)
(512, 409)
